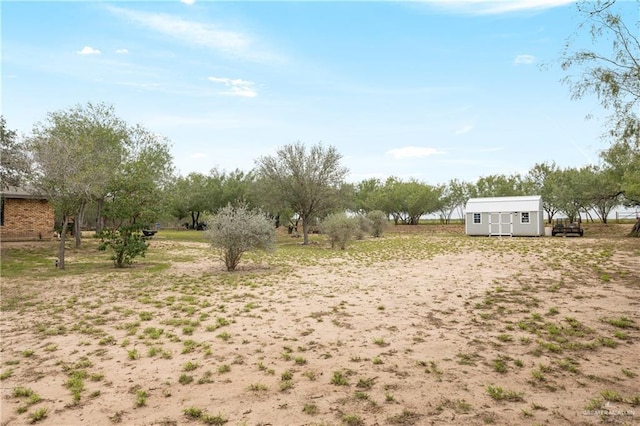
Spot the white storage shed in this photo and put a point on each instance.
(505, 216)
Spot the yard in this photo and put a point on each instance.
(422, 326)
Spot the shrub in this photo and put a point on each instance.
(379, 222)
(236, 230)
(365, 227)
(125, 243)
(339, 229)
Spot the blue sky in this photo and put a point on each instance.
(433, 90)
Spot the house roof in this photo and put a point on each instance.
(504, 204)
(21, 192)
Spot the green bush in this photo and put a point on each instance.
(236, 230)
(365, 227)
(340, 229)
(126, 243)
(379, 222)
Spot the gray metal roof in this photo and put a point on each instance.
(504, 204)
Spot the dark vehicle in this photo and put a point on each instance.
(148, 233)
(565, 228)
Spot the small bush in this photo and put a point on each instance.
(379, 222)
(236, 230)
(126, 243)
(339, 229)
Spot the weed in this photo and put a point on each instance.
(499, 394)
(377, 360)
(310, 409)
(286, 385)
(210, 419)
(622, 322)
(185, 379)
(190, 366)
(287, 375)
(133, 354)
(610, 395)
(352, 420)
(141, 398)
(380, 341)
(224, 368)
(224, 336)
(339, 379)
(192, 412)
(311, 375)
(628, 373)
(366, 383)
(146, 316)
(39, 414)
(406, 417)
(258, 387)
(500, 365)
(6, 374)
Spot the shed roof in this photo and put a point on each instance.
(504, 204)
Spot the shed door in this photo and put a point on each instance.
(500, 224)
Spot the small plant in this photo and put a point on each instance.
(499, 394)
(610, 395)
(141, 398)
(379, 341)
(39, 414)
(310, 409)
(146, 316)
(190, 366)
(126, 243)
(311, 375)
(286, 385)
(257, 387)
(6, 374)
(300, 360)
(133, 354)
(192, 412)
(210, 419)
(352, 420)
(224, 368)
(500, 365)
(339, 379)
(628, 373)
(185, 379)
(224, 336)
(377, 360)
(27, 353)
(287, 375)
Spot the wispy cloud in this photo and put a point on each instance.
(188, 1)
(493, 7)
(236, 87)
(413, 152)
(88, 50)
(464, 129)
(194, 33)
(524, 60)
(122, 51)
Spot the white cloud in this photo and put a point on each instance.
(209, 35)
(122, 51)
(188, 1)
(524, 60)
(236, 87)
(464, 129)
(413, 152)
(88, 50)
(492, 7)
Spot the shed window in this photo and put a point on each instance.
(524, 217)
(477, 218)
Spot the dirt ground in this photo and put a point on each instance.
(411, 329)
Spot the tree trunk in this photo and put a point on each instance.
(635, 231)
(99, 218)
(63, 235)
(77, 225)
(305, 231)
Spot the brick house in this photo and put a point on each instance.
(25, 215)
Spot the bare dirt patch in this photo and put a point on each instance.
(415, 328)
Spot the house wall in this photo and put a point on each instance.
(535, 227)
(27, 219)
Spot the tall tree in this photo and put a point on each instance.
(14, 158)
(307, 181)
(610, 69)
(543, 182)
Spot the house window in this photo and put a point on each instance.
(477, 218)
(524, 217)
(1, 211)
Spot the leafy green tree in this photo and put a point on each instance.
(235, 230)
(309, 182)
(543, 182)
(366, 194)
(498, 186)
(15, 164)
(609, 68)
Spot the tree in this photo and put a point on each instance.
(610, 69)
(14, 157)
(235, 230)
(308, 182)
(543, 181)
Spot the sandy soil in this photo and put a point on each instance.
(418, 337)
